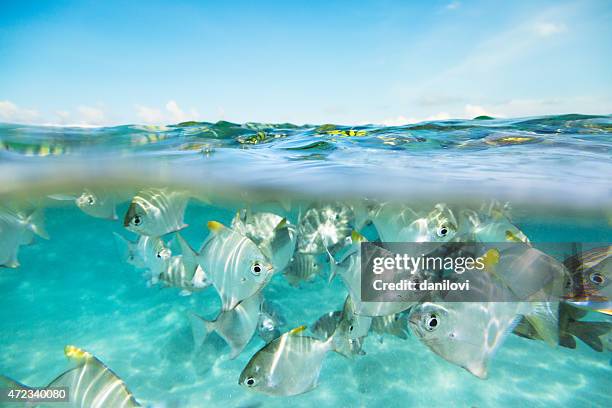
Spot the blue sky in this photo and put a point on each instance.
(113, 62)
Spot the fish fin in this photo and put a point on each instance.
(188, 253)
(356, 237)
(545, 320)
(285, 204)
(297, 330)
(12, 263)
(567, 341)
(200, 328)
(605, 311)
(36, 223)
(62, 197)
(200, 279)
(401, 328)
(590, 332)
(215, 226)
(282, 224)
(185, 292)
(478, 368)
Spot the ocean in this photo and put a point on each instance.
(552, 174)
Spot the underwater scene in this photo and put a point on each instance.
(219, 264)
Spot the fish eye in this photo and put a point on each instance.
(250, 382)
(597, 278)
(442, 231)
(137, 220)
(91, 200)
(256, 269)
(431, 323)
(351, 328)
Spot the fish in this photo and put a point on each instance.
(303, 268)
(155, 212)
(183, 271)
(273, 234)
(532, 276)
(395, 325)
(337, 324)
(288, 365)
(235, 265)
(590, 283)
(323, 227)
(491, 224)
(592, 333)
(98, 204)
(270, 321)
(90, 384)
(148, 253)
(236, 326)
(399, 223)
(18, 228)
(348, 267)
(466, 334)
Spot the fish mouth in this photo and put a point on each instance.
(131, 212)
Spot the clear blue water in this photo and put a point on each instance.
(76, 289)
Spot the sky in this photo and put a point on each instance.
(383, 62)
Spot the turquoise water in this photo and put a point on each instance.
(76, 287)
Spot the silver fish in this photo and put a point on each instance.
(156, 212)
(289, 365)
(464, 333)
(234, 264)
(148, 253)
(303, 268)
(183, 271)
(97, 204)
(398, 223)
(273, 234)
(270, 321)
(323, 227)
(339, 325)
(91, 384)
(16, 229)
(348, 267)
(395, 324)
(531, 276)
(591, 280)
(491, 224)
(236, 326)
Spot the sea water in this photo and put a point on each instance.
(76, 288)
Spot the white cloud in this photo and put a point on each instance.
(546, 29)
(88, 115)
(453, 5)
(472, 111)
(172, 114)
(10, 112)
(403, 120)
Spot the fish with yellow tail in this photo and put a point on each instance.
(289, 365)
(90, 384)
(234, 264)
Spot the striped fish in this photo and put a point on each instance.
(90, 384)
(155, 212)
(183, 271)
(235, 265)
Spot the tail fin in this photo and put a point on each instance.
(590, 332)
(544, 318)
(200, 329)
(36, 223)
(400, 328)
(190, 256)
